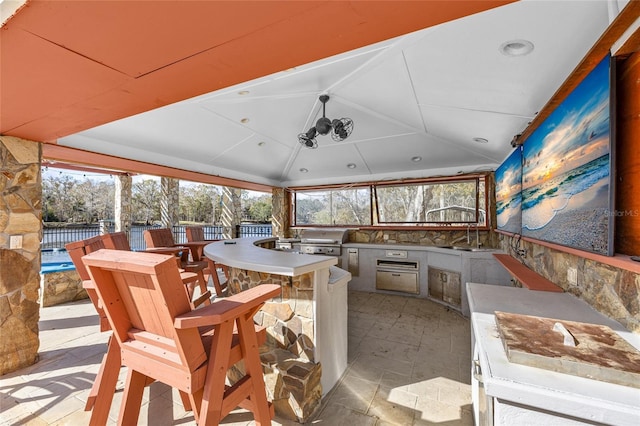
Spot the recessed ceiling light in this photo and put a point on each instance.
(516, 48)
(243, 92)
(351, 166)
(262, 143)
(480, 140)
(244, 120)
(303, 170)
(416, 159)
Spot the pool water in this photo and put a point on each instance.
(55, 260)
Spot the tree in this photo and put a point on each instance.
(260, 209)
(145, 201)
(200, 203)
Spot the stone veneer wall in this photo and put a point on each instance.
(280, 222)
(170, 201)
(21, 216)
(292, 376)
(123, 204)
(62, 287)
(423, 238)
(612, 291)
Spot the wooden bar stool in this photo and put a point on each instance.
(162, 238)
(119, 241)
(219, 273)
(162, 339)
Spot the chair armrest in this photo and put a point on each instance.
(164, 250)
(196, 248)
(228, 308)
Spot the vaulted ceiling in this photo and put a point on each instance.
(223, 88)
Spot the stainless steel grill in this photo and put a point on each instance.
(323, 241)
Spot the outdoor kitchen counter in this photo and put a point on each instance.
(526, 394)
(245, 253)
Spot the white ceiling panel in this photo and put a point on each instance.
(426, 94)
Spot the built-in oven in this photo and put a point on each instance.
(397, 273)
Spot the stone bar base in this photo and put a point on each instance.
(292, 375)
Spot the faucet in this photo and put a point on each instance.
(477, 235)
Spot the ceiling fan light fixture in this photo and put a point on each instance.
(340, 129)
(323, 125)
(309, 139)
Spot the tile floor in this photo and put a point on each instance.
(408, 365)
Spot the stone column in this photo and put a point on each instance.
(123, 204)
(20, 235)
(231, 211)
(280, 218)
(170, 202)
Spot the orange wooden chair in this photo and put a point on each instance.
(119, 241)
(106, 380)
(104, 386)
(195, 236)
(162, 339)
(162, 238)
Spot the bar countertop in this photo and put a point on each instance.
(245, 253)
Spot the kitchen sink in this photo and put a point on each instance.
(465, 248)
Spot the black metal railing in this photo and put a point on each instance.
(253, 230)
(57, 237)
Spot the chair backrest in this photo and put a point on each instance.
(194, 233)
(76, 251)
(116, 241)
(142, 294)
(161, 237)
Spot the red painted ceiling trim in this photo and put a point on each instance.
(58, 153)
(70, 66)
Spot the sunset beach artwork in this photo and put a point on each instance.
(566, 170)
(509, 193)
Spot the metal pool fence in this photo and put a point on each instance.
(57, 237)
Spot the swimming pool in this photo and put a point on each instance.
(55, 260)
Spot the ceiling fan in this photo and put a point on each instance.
(340, 129)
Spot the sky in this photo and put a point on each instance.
(48, 172)
(576, 133)
(509, 176)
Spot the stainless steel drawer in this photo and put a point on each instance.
(406, 282)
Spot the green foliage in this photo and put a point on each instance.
(260, 209)
(67, 199)
(145, 201)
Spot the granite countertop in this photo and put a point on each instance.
(455, 250)
(244, 253)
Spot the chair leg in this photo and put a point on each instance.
(132, 398)
(214, 385)
(104, 387)
(186, 401)
(203, 286)
(253, 369)
(214, 276)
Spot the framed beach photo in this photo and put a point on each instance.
(567, 190)
(509, 193)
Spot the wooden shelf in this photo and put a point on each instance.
(529, 279)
